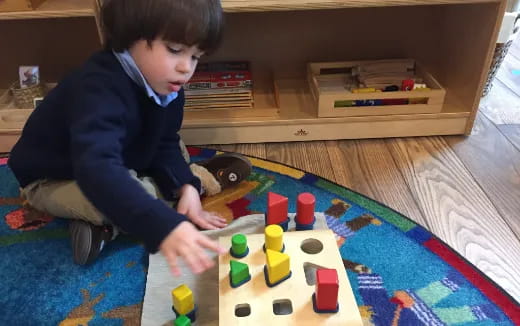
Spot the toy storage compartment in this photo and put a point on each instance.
(333, 88)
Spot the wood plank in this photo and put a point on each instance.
(457, 209)
(273, 5)
(367, 166)
(495, 164)
(284, 5)
(501, 105)
(325, 130)
(308, 156)
(256, 150)
(512, 133)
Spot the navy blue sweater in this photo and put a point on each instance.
(95, 126)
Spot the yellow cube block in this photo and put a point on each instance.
(183, 299)
(278, 265)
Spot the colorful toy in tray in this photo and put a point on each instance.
(406, 85)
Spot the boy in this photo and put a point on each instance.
(84, 150)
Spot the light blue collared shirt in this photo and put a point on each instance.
(131, 69)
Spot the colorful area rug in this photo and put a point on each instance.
(400, 273)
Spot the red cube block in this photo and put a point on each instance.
(327, 288)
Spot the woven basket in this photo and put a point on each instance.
(24, 97)
(501, 50)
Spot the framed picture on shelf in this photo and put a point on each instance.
(29, 76)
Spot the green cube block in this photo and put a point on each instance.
(182, 320)
(239, 273)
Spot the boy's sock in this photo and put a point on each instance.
(221, 172)
(88, 240)
(210, 185)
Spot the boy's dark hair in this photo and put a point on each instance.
(189, 22)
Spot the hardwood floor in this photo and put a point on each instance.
(466, 190)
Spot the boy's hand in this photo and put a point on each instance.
(187, 242)
(190, 205)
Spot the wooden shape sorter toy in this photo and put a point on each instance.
(289, 301)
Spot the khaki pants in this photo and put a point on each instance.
(65, 198)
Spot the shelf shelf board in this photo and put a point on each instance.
(276, 5)
(296, 107)
(83, 8)
(53, 9)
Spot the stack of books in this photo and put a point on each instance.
(220, 85)
(383, 73)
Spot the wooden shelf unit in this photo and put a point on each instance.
(453, 39)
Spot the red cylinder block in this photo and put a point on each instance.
(305, 205)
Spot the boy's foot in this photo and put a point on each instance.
(88, 240)
(229, 169)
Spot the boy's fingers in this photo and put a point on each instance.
(219, 222)
(172, 261)
(211, 245)
(204, 224)
(215, 214)
(193, 261)
(218, 225)
(199, 255)
(204, 259)
(215, 217)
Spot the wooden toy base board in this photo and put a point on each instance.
(258, 298)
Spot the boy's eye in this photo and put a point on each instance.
(196, 57)
(174, 50)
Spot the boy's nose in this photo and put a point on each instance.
(184, 65)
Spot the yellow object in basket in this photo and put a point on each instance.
(365, 90)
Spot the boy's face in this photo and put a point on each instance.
(166, 66)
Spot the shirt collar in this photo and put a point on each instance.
(131, 69)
